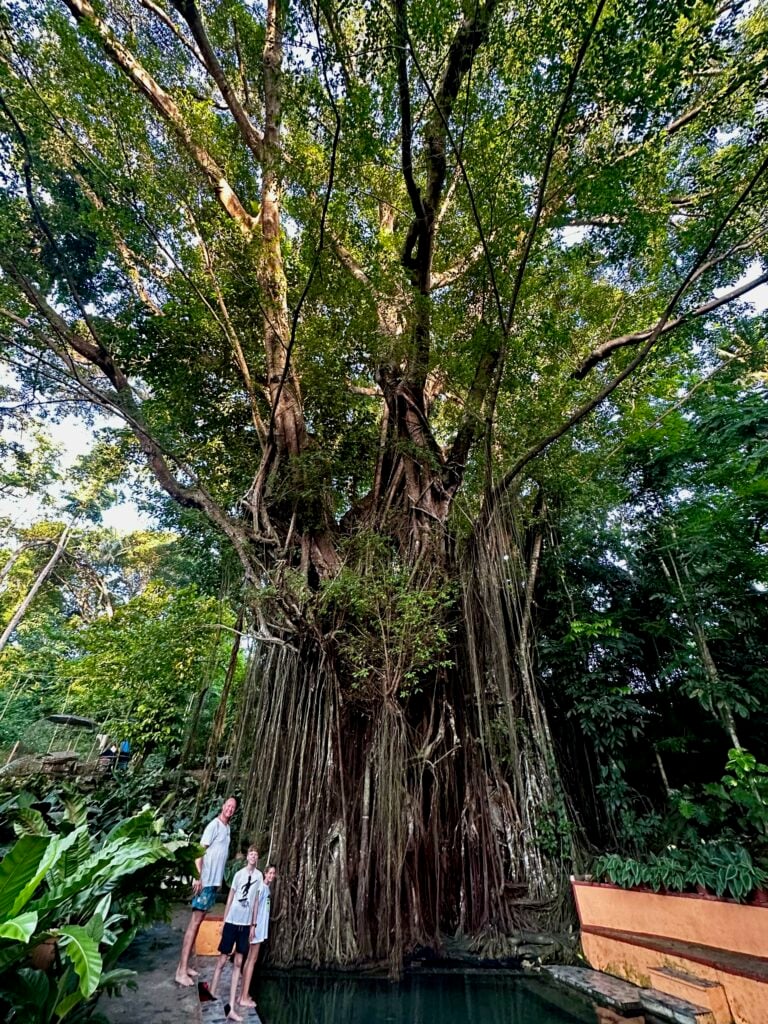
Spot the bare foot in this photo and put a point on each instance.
(184, 980)
(248, 1002)
(233, 1016)
(192, 972)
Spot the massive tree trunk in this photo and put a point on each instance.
(400, 814)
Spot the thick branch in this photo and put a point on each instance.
(406, 132)
(470, 36)
(92, 352)
(604, 351)
(487, 379)
(253, 138)
(160, 14)
(124, 404)
(591, 404)
(168, 110)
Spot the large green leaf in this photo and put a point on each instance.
(140, 826)
(29, 821)
(75, 851)
(100, 873)
(95, 928)
(83, 951)
(21, 870)
(20, 928)
(69, 1002)
(112, 981)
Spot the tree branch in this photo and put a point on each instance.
(443, 278)
(347, 260)
(160, 14)
(501, 488)
(406, 133)
(604, 351)
(469, 37)
(253, 138)
(123, 403)
(129, 257)
(84, 13)
(678, 123)
(544, 180)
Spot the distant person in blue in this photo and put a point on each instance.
(259, 933)
(210, 867)
(124, 754)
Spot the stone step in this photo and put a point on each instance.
(676, 982)
(631, 1001)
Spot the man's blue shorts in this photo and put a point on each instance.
(206, 898)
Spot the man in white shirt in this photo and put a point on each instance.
(210, 869)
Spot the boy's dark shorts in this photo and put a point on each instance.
(234, 938)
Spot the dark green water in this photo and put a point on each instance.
(451, 998)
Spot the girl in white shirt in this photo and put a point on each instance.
(259, 932)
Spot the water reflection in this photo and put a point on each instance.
(435, 999)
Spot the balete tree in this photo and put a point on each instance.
(360, 281)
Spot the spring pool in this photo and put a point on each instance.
(433, 998)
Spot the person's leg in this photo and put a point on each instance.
(236, 969)
(253, 956)
(217, 973)
(183, 973)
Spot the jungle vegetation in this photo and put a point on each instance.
(427, 330)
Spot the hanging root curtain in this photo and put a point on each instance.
(401, 819)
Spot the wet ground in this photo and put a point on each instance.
(153, 955)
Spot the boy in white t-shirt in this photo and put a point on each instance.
(259, 933)
(236, 933)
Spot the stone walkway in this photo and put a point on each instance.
(153, 955)
(213, 1012)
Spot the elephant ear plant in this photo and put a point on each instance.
(82, 898)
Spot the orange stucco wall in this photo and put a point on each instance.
(689, 918)
(747, 999)
(719, 925)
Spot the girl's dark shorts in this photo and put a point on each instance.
(234, 939)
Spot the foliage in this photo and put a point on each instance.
(723, 868)
(653, 614)
(134, 672)
(713, 832)
(737, 805)
(84, 895)
(393, 627)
